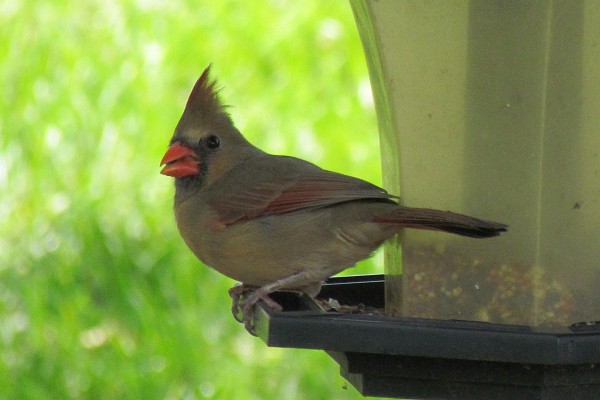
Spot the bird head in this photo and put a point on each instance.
(205, 144)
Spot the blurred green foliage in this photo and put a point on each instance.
(99, 297)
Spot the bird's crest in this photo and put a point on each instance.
(204, 96)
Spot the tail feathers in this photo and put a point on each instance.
(425, 218)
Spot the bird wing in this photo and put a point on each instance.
(279, 185)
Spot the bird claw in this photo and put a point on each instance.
(236, 293)
(246, 304)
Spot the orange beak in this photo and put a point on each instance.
(180, 161)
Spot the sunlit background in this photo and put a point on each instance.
(99, 297)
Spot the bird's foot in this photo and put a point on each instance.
(246, 303)
(237, 293)
(244, 297)
(248, 307)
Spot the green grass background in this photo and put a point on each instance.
(99, 296)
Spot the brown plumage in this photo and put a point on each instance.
(277, 222)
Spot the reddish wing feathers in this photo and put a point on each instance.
(283, 192)
(318, 191)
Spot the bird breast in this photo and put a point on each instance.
(263, 250)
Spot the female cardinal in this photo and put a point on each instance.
(276, 222)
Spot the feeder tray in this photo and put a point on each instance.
(433, 359)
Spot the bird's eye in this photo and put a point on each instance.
(212, 142)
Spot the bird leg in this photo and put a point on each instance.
(262, 293)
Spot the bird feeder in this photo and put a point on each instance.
(491, 109)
